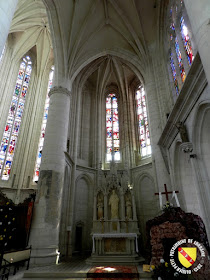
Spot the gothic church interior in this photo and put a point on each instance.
(103, 97)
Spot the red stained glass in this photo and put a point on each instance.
(179, 58)
(142, 122)
(11, 131)
(44, 123)
(186, 40)
(112, 128)
(173, 70)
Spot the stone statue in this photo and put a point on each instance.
(114, 203)
(128, 205)
(100, 206)
(183, 131)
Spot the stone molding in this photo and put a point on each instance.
(192, 88)
(59, 89)
(187, 147)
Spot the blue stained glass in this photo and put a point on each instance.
(144, 136)
(179, 58)
(112, 128)
(43, 128)
(172, 26)
(174, 74)
(11, 131)
(186, 40)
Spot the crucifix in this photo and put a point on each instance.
(167, 198)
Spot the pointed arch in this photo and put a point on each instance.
(131, 61)
(83, 212)
(201, 140)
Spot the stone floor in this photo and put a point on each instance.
(76, 268)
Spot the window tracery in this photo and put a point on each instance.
(12, 127)
(180, 45)
(112, 128)
(43, 127)
(186, 40)
(143, 126)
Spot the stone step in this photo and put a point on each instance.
(72, 275)
(140, 278)
(115, 259)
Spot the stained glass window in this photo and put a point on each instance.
(173, 69)
(179, 58)
(44, 123)
(12, 128)
(186, 40)
(112, 128)
(143, 122)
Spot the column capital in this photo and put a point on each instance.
(59, 89)
(187, 147)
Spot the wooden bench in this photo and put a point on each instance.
(17, 257)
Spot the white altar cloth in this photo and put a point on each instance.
(115, 235)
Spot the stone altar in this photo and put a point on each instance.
(115, 227)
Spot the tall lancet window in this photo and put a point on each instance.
(143, 127)
(186, 40)
(44, 123)
(173, 70)
(179, 58)
(12, 128)
(112, 128)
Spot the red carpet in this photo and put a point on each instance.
(112, 272)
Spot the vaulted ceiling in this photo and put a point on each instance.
(83, 31)
(86, 30)
(30, 30)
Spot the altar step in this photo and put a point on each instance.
(78, 269)
(29, 275)
(78, 276)
(115, 259)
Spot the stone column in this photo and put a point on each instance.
(105, 207)
(133, 206)
(154, 116)
(45, 227)
(95, 208)
(122, 200)
(199, 16)
(7, 10)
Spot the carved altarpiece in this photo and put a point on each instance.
(115, 228)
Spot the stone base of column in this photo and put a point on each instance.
(45, 255)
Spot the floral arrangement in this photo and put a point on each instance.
(166, 272)
(168, 206)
